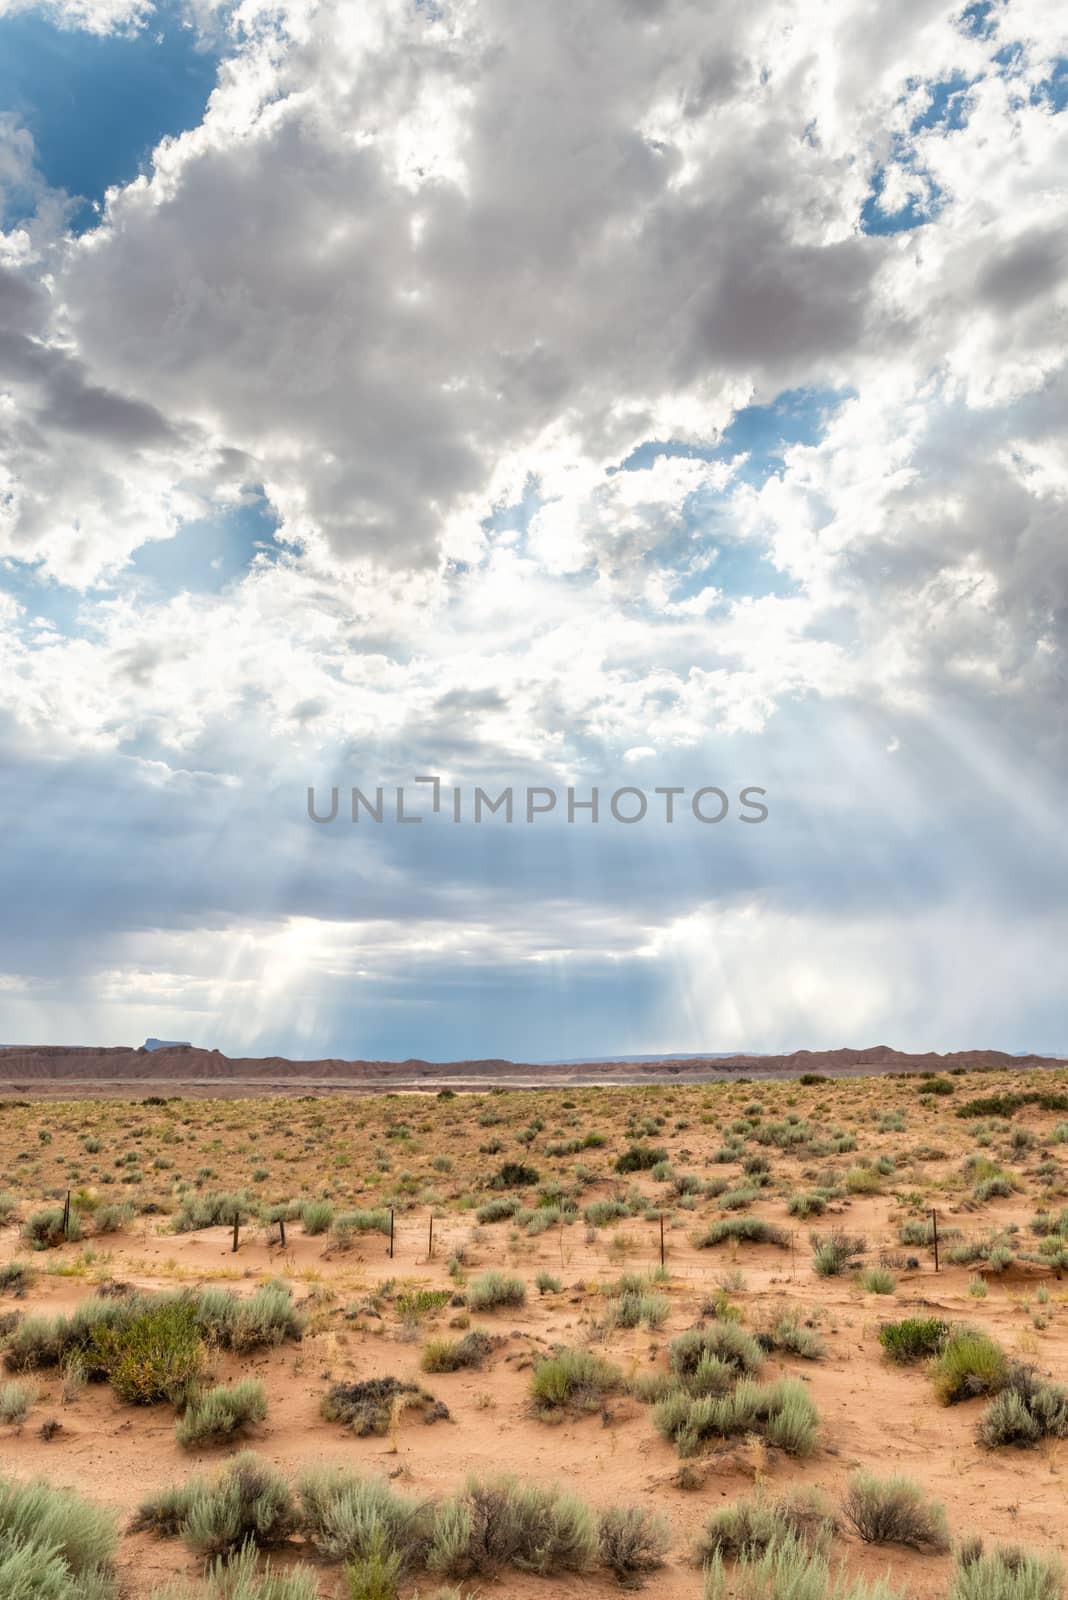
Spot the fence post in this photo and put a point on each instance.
(661, 1238)
(237, 1225)
(391, 1233)
(282, 1231)
(934, 1232)
(66, 1215)
(430, 1244)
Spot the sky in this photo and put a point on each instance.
(643, 394)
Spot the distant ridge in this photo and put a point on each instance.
(183, 1064)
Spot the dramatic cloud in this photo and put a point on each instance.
(649, 393)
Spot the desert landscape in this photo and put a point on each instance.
(788, 1337)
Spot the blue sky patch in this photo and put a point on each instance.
(204, 556)
(98, 105)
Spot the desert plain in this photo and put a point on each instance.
(569, 1286)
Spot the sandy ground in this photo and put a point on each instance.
(871, 1414)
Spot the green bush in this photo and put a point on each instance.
(970, 1364)
(640, 1158)
(878, 1280)
(913, 1338)
(221, 1413)
(156, 1355)
(515, 1175)
(895, 1511)
(573, 1379)
(266, 1318)
(493, 1289)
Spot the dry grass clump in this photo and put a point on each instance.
(53, 1544)
(243, 1579)
(835, 1252)
(363, 1520)
(373, 1405)
(742, 1230)
(632, 1541)
(895, 1511)
(450, 1355)
(266, 1318)
(786, 1332)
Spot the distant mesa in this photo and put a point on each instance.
(166, 1044)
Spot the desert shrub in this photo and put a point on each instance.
(493, 1289)
(449, 1355)
(350, 1223)
(913, 1338)
(515, 1175)
(809, 1203)
(221, 1413)
(418, 1303)
(316, 1216)
(248, 1502)
(788, 1333)
(499, 1208)
(16, 1400)
(372, 1405)
(502, 1523)
(211, 1211)
(8, 1209)
(362, 1520)
(878, 1280)
(998, 1187)
(601, 1212)
(1006, 1573)
(1026, 1410)
(863, 1180)
(15, 1278)
(640, 1158)
(81, 1536)
(894, 1511)
(44, 1229)
(750, 1526)
(632, 1541)
(834, 1252)
(157, 1354)
(969, 1364)
(781, 1411)
(573, 1379)
(242, 1579)
(738, 1199)
(112, 1219)
(48, 1341)
(267, 1317)
(742, 1230)
(786, 1570)
(726, 1342)
(545, 1283)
